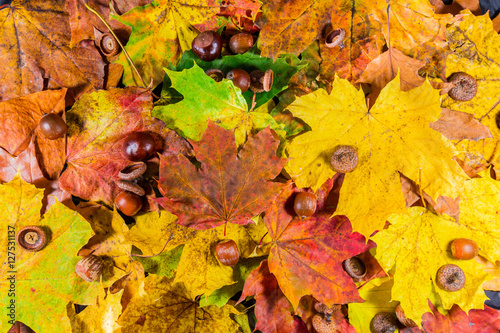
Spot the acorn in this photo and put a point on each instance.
(31, 238)
(354, 267)
(344, 159)
(304, 204)
(384, 322)
(261, 81)
(450, 278)
(241, 42)
(90, 268)
(464, 249)
(465, 87)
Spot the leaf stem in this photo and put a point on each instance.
(120, 43)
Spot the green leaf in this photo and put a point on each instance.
(249, 61)
(206, 99)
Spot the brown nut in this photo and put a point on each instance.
(31, 238)
(354, 267)
(344, 159)
(131, 187)
(132, 171)
(334, 38)
(215, 74)
(384, 322)
(465, 87)
(450, 278)
(90, 268)
(261, 81)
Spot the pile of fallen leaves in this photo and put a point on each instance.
(231, 164)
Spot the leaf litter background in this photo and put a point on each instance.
(428, 170)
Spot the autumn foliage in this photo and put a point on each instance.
(229, 165)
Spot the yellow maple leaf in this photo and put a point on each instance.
(167, 307)
(476, 47)
(417, 245)
(198, 269)
(393, 137)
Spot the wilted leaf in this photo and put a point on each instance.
(394, 136)
(228, 187)
(35, 52)
(383, 69)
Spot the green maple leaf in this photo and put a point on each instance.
(206, 99)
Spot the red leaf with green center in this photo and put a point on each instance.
(307, 254)
(229, 186)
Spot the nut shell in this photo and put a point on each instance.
(305, 204)
(31, 238)
(108, 45)
(334, 38)
(450, 278)
(322, 325)
(207, 45)
(402, 318)
(132, 171)
(241, 42)
(128, 203)
(384, 322)
(240, 78)
(322, 308)
(90, 268)
(464, 249)
(215, 74)
(53, 126)
(354, 267)
(227, 252)
(465, 87)
(131, 187)
(344, 159)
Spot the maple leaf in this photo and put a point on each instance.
(475, 47)
(392, 137)
(457, 321)
(161, 31)
(45, 281)
(99, 317)
(306, 255)
(228, 187)
(384, 68)
(164, 306)
(377, 296)
(206, 99)
(272, 309)
(198, 268)
(36, 54)
(418, 258)
(21, 118)
(97, 126)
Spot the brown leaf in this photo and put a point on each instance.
(456, 125)
(35, 52)
(386, 66)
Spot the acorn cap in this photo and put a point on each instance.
(31, 238)
(465, 87)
